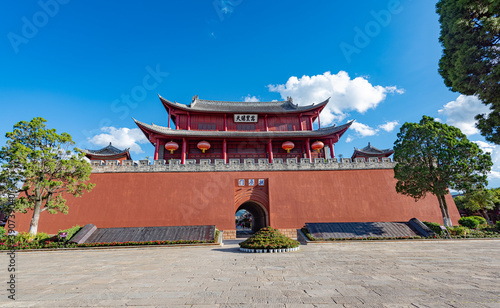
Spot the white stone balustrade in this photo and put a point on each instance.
(249, 164)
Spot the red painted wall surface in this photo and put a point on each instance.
(295, 197)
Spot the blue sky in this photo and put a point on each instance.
(88, 67)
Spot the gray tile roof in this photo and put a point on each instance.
(340, 230)
(243, 107)
(108, 150)
(370, 150)
(178, 133)
(143, 234)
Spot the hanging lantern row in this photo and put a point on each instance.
(288, 145)
(203, 145)
(317, 145)
(171, 146)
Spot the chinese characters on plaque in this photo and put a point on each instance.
(251, 182)
(245, 118)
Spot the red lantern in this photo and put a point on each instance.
(317, 145)
(171, 146)
(203, 145)
(287, 145)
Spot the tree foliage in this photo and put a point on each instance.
(37, 163)
(433, 157)
(470, 35)
(480, 201)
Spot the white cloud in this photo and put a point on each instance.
(346, 94)
(349, 139)
(121, 138)
(389, 126)
(363, 130)
(461, 112)
(494, 150)
(249, 98)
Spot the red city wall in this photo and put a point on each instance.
(202, 198)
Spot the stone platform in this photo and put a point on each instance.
(91, 234)
(341, 230)
(347, 274)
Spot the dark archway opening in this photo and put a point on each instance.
(258, 215)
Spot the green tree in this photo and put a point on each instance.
(37, 163)
(470, 35)
(481, 201)
(433, 157)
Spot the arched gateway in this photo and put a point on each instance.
(260, 217)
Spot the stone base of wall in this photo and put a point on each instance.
(229, 235)
(291, 233)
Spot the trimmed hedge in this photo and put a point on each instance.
(269, 238)
(472, 222)
(435, 227)
(71, 232)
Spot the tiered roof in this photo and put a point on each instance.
(371, 151)
(168, 132)
(107, 153)
(211, 106)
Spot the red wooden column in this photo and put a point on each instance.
(224, 150)
(225, 124)
(265, 122)
(183, 155)
(308, 148)
(300, 122)
(188, 121)
(270, 150)
(311, 122)
(319, 121)
(157, 148)
(330, 144)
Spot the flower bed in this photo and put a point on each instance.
(44, 241)
(269, 240)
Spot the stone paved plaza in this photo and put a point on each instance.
(349, 274)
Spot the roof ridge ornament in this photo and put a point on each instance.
(195, 98)
(289, 99)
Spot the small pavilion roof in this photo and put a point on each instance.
(107, 152)
(211, 106)
(180, 133)
(371, 151)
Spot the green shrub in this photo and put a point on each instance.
(307, 234)
(497, 225)
(269, 238)
(480, 220)
(40, 236)
(458, 230)
(472, 222)
(71, 231)
(23, 237)
(435, 227)
(3, 232)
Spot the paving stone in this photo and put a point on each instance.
(347, 274)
